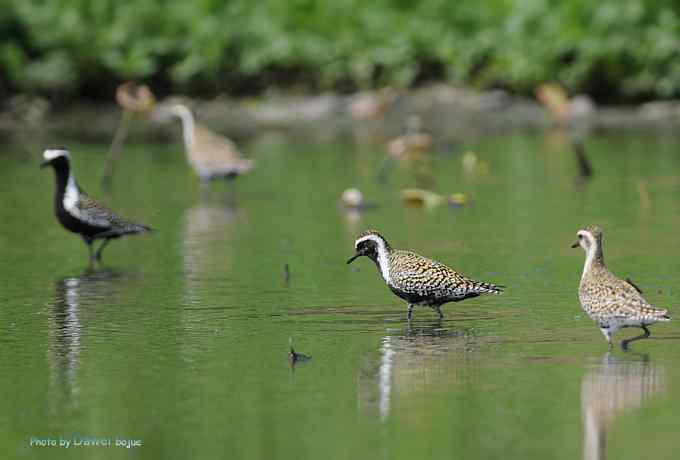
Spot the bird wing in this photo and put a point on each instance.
(98, 215)
(213, 154)
(624, 300)
(214, 148)
(429, 278)
(93, 212)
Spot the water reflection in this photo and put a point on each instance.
(423, 357)
(65, 331)
(207, 227)
(208, 231)
(609, 390)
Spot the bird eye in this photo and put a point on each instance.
(580, 237)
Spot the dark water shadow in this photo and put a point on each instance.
(610, 389)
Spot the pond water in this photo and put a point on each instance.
(180, 339)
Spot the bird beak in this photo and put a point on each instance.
(44, 163)
(575, 245)
(351, 259)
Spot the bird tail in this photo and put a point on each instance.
(138, 228)
(664, 315)
(487, 288)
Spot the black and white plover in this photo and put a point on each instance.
(211, 155)
(611, 302)
(79, 213)
(416, 279)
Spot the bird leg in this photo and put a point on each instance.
(101, 248)
(88, 242)
(410, 311)
(626, 342)
(608, 336)
(438, 309)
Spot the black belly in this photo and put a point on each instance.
(78, 226)
(415, 298)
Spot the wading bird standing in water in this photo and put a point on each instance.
(416, 279)
(80, 214)
(211, 155)
(611, 302)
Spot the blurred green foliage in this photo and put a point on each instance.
(614, 49)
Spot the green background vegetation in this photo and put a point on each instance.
(616, 50)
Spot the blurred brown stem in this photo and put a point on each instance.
(116, 144)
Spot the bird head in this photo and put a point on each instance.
(56, 157)
(370, 244)
(588, 238)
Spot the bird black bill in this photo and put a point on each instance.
(351, 259)
(44, 163)
(575, 245)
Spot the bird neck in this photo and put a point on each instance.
(594, 260)
(188, 123)
(382, 260)
(67, 188)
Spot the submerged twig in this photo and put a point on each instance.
(293, 356)
(286, 274)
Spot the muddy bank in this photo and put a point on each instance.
(451, 114)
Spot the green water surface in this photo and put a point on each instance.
(180, 339)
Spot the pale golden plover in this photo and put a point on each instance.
(609, 301)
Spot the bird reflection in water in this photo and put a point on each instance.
(207, 227)
(611, 389)
(207, 252)
(424, 357)
(72, 295)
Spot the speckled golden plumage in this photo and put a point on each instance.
(417, 279)
(415, 274)
(611, 302)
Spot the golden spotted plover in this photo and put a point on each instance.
(211, 155)
(79, 213)
(416, 279)
(611, 302)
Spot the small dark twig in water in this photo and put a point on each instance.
(293, 356)
(584, 166)
(286, 274)
(629, 281)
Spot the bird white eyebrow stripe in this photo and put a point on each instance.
(373, 238)
(51, 154)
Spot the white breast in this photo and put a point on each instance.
(384, 264)
(383, 258)
(71, 197)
